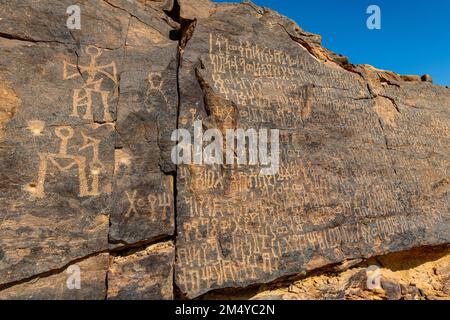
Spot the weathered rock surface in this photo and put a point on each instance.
(143, 184)
(85, 130)
(418, 275)
(364, 155)
(60, 286)
(144, 275)
(86, 118)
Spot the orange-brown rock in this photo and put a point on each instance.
(417, 275)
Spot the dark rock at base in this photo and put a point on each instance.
(144, 275)
(64, 285)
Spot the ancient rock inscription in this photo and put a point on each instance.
(340, 192)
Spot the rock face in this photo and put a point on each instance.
(85, 155)
(87, 177)
(418, 275)
(147, 274)
(363, 159)
(60, 284)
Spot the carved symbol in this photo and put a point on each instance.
(64, 162)
(155, 81)
(92, 84)
(155, 84)
(131, 199)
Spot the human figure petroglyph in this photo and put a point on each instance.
(155, 86)
(96, 74)
(64, 162)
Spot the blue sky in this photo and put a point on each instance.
(414, 36)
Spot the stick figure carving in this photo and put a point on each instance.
(156, 85)
(96, 74)
(64, 162)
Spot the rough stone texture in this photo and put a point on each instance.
(56, 170)
(54, 286)
(85, 124)
(86, 118)
(364, 154)
(417, 275)
(144, 275)
(143, 184)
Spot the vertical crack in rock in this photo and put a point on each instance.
(386, 142)
(185, 32)
(106, 277)
(379, 114)
(144, 179)
(393, 102)
(78, 63)
(117, 149)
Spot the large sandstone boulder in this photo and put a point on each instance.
(87, 179)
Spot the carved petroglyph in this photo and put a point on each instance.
(156, 83)
(36, 127)
(96, 74)
(157, 205)
(156, 89)
(63, 161)
(88, 173)
(247, 254)
(121, 159)
(335, 193)
(269, 85)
